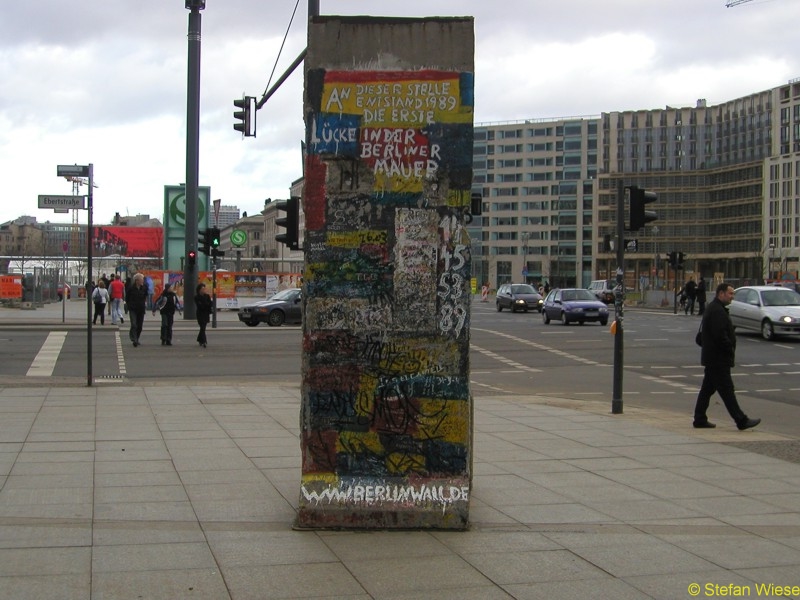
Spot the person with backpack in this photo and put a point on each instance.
(100, 299)
(167, 303)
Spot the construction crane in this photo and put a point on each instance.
(730, 3)
(77, 182)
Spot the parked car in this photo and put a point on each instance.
(284, 307)
(518, 296)
(603, 289)
(573, 305)
(768, 309)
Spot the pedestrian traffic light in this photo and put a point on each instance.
(672, 259)
(214, 236)
(291, 222)
(638, 199)
(191, 258)
(204, 240)
(679, 261)
(246, 115)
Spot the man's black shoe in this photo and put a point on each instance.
(704, 425)
(747, 424)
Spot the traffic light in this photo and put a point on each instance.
(204, 240)
(638, 199)
(191, 258)
(476, 202)
(676, 260)
(246, 115)
(291, 222)
(213, 237)
(631, 245)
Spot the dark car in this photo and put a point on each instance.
(283, 307)
(574, 305)
(518, 296)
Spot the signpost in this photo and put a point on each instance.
(80, 171)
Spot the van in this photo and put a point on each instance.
(603, 289)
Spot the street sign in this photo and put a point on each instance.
(72, 170)
(238, 237)
(61, 202)
(65, 246)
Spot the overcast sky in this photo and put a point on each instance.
(104, 81)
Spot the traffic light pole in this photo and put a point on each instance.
(192, 155)
(619, 299)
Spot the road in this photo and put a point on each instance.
(511, 353)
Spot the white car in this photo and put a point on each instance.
(770, 310)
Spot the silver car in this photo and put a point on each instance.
(770, 310)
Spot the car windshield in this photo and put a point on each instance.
(284, 295)
(523, 289)
(780, 297)
(570, 295)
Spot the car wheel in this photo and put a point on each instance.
(564, 320)
(275, 318)
(251, 323)
(603, 322)
(545, 318)
(499, 308)
(767, 330)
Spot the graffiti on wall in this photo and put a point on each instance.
(386, 399)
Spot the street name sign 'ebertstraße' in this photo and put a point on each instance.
(61, 202)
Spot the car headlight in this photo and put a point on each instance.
(787, 319)
(519, 301)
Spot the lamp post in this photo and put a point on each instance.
(525, 237)
(655, 260)
(769, 266)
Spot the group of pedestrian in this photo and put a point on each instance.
(136, 296)
(693, 293)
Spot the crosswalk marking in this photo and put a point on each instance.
(45, 361)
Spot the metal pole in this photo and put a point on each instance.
(64, 287)
(619, 299)
(192, 159)
(89, 236)
(213, 291)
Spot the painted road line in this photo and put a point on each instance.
(45, 361)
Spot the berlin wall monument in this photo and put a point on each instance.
(386, 415)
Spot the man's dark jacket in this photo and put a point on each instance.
(137, 298)
(719, 338)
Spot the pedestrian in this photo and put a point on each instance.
(136, 298)
(116, 292)
(717, 357)
(701, 296)
(100, 299)
(690, 289)
(167, 303)
(485, 292)
(107, 282)
(203, 308)
(150, 285)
